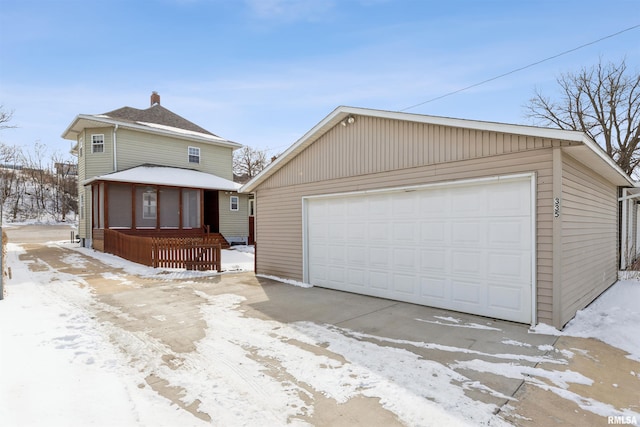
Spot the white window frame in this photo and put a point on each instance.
(193, 155)
(95, 145)
(149, 205)
(234, 201)
(252, 207)
(80, 144)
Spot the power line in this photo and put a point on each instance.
(522, 68)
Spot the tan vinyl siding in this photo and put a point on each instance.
(589, 236)
(233, 223)
(98, 163)
(373, 145)
(91, 164)
(136, 148)
(279, 220)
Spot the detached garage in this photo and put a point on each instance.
(510, 222)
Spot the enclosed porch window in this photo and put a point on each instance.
(190, 208)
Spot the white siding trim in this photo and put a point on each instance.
(451, 183)
(534, 252)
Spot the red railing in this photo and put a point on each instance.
(192, 253)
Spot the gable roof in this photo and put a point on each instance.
(589, 152)
(156, 114)
(169, 176)
(155, 119)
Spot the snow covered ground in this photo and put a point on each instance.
(70, 373)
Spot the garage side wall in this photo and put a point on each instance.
(376, 153)
(589, 236)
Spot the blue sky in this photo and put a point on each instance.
(263, 72)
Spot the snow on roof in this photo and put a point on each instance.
(165, 175)
(182, 131)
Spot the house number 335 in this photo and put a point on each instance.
(556, 207)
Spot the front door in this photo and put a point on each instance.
(211, 211)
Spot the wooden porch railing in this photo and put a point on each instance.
(191, 253)
(134, 248)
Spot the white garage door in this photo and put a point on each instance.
(461, 247)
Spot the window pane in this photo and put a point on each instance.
(143, 210)
(194, 154)
(190, 208)
(119, 206)
(169, 208)
(97, 143)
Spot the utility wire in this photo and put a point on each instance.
(522, 68)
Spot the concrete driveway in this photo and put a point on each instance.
(521, 374)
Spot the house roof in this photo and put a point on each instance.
(169, 176)
(155, 119)
(589, 152)
(156, 114)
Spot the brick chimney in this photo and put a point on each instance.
(155, 98)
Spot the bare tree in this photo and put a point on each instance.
(602, 101)
(5, 118)
(248, 162)
(10, 177)
(39, 176)
(64, 188)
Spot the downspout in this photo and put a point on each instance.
(115, 151)
(624, 233)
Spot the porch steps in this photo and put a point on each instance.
(217, 238)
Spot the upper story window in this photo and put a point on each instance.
(194, 155)
(80, 144)
(234, 203)
(97, 143)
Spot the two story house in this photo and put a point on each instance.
(150, 172)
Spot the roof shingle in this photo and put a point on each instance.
(156, 114)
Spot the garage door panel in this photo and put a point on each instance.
(404, 259)
(336, 254)
(509, 266)
(378, 208)
(433, 261)
(433, 232)
(468, 233)
(466, 293)
(465, 201)
(378, 231)
(505, 298)
(357, 278)
(357, 256)
(379, 257)
(405, 284)
(357, 232)
(509, 199)
(433, 289)
(466, 263)
(379, 279)
(404, 205)
(434, 203)
(513, 233)
(404, 232)
(466, 248)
